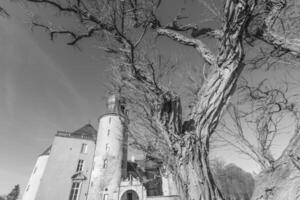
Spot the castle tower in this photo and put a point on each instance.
(36, 176)
(110, 158)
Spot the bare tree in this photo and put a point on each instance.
(260, 112)
(263, 112)
(125, 25)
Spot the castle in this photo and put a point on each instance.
(90, 165)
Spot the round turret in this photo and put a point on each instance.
(111, 152)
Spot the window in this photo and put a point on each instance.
(79, 166)
(105, 197)
(109, 120)
(75, 191)
(28, 186)
(83, 148)
(108, 132)
(107, 148)
(105, 163)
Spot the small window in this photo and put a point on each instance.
(105, 163)
(28, 186)
(74, 194)
(107, 148)
(83, 148)
(108, 132)
(79, 166)
(109, 121)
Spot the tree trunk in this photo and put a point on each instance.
(196, 177)
(195, 180)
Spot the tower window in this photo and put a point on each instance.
(107, 148)
(79, 166)
(109, 120)
(105, 163)
(108, 132)
(74, 194)
(83, 148)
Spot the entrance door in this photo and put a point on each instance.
(130, 195)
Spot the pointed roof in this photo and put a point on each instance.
(85, 132)
(46, 152)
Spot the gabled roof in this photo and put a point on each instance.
(85, 132)
(46, 152)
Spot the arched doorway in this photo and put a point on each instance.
(130, 195)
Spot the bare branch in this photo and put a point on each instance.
(197, 44)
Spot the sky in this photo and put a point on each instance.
(44, 87)
(48, 86)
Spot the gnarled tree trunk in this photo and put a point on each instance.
(195, 180)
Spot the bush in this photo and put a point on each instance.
(235, 183)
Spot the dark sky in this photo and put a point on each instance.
(47, 86)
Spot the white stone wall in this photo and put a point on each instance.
(35, 178)
(105, 180)
(57, 180)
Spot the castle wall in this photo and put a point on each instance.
(62, 164)
(35, 178)
(110, 160)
